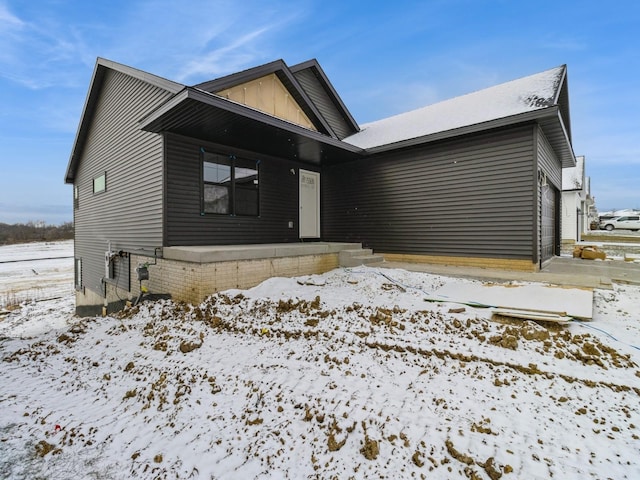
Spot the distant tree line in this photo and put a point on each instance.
(34, 232)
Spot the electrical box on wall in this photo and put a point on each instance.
(290, 224)
(109, 257)
(143, 272)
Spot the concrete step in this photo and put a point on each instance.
(357, 257)
(362, 260)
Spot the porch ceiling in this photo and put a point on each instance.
(206, 116)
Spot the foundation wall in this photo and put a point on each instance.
(501, 263)
(193, 282)
(89, 303)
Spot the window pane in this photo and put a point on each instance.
(246, 201)
(216, 172)
(100, 183)
(216, 199)
(246, 176)
(78, 273)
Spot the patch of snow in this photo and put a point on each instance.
(349, 374)
(35, 271)
(526, 94)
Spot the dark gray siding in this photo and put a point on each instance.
(549, 226)
(548, 161)
(129, 212)
(323, 103)
(470, 197)
(185, 225)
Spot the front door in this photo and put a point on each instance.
(309, 204)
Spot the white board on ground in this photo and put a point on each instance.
(530, 315)
(573, 302)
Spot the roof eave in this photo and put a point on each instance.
(99, 70)
(151, 122)
(551, 113)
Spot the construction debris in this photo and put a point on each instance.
(588, 252)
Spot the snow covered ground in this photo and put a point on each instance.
(35, 271)
(350, 374)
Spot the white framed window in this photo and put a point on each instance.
(78, 274)
(100, 183)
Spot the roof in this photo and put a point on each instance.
(340, 108)
(535, 97)
(217, 119)
(97, 79)
(573, 177)
(284, 74)
(541, 98)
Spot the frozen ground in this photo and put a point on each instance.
(35, 271)
(350, 374)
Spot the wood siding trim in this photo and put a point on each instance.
(467, 197)
(270, 96)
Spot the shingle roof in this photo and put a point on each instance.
(528, 94)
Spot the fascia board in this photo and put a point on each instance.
(478, 127)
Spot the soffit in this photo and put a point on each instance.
(206, 116)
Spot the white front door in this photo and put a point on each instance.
(309, 204)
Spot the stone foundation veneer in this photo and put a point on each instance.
(193, 282)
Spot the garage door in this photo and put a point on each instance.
(547, 222)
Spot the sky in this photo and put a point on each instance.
(383, 58)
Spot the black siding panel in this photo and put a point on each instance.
(472, 197)
(323, 103)
(129, 213)
(548, 161)
(185, 225)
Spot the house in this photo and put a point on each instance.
(578, 206)
(187, 190)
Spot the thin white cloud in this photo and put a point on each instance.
(8, 20)
(223, 59)
(234, 36)
(38, 53)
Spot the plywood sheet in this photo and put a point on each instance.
(573, 302)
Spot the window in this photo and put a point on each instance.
(76, 196)
(78, 274)
(229, 185)
(100, 183)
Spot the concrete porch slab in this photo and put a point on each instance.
(227, 253)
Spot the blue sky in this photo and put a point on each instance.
(382, 57)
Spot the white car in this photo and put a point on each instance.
(627, 222)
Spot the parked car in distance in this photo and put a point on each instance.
(627, 222)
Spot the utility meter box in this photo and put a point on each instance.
(143, 272)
